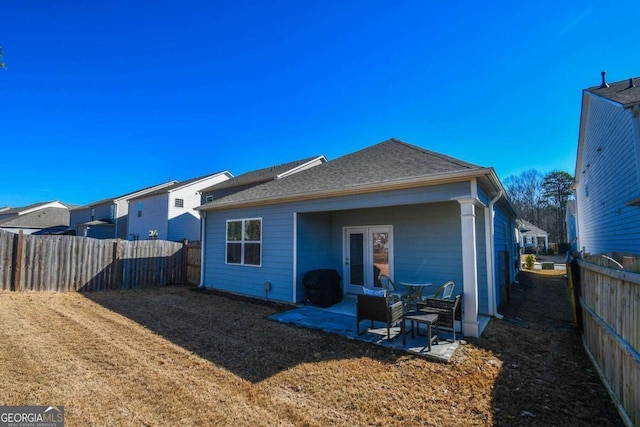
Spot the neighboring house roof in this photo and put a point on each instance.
(388, 165)
(180, 184)
(625, 92)
(34, 207)
(263, 175)
(528, 228)
(41, 218)
(127, 195)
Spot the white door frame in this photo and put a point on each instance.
(367, 231)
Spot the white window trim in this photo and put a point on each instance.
(242, 242)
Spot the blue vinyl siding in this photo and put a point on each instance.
(426, 232)
(504, 240)
(277, 255)
(609, 170)
(315, 247)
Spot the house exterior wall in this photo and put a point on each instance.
(608, 179)
(154, 217)
(121, 218)
(78, 216)
(184, 222)
(572, 227)
(103, 212)
(504, 241)
(427, 241)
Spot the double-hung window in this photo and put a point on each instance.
(244, 241)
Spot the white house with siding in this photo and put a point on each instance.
(107, 218)
(168, 213)
(533, 238)
(607, 176)
(392, 208)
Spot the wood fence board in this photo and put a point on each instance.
(69, 263)
(610, 304)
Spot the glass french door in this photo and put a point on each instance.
(368, 253)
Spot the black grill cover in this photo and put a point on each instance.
(322, 287)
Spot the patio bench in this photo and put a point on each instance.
(448, 311)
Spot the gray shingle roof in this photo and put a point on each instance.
(258, 176)
(390, 161)
(620, 92)
(42, 218)
(532, 229)
(177, 185)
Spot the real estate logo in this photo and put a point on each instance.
(31, 416)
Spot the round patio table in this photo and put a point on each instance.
(414, 292)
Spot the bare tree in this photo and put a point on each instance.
(525, 191)
(542, 200)
(557, 191)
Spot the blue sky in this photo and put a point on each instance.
(104, 98)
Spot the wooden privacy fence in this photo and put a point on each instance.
(192, 263)
(609, 311)
(70, 263)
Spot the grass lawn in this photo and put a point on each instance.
(173, 356)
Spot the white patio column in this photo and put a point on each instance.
(470, 324)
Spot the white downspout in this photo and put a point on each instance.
(491, 257)
(203, 219)
(295, 256)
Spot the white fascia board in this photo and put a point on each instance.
(311, 163)
(55, 204)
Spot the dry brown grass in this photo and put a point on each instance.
(172, 356)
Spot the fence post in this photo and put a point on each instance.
(115, 270)
(185, 261)
(16, 262)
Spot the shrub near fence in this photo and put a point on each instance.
(70, 263)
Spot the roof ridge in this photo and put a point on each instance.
(435, 153)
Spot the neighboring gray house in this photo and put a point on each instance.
(533, 238)
(416, 215)
(168, 213)
(607, 176)
(107, 218)
(260, 176)
(38, 218)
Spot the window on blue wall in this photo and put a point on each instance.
(244, 241)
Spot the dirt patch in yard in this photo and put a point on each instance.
(174, 356)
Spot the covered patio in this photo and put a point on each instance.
(340, 319)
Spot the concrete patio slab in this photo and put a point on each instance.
(333, 321)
